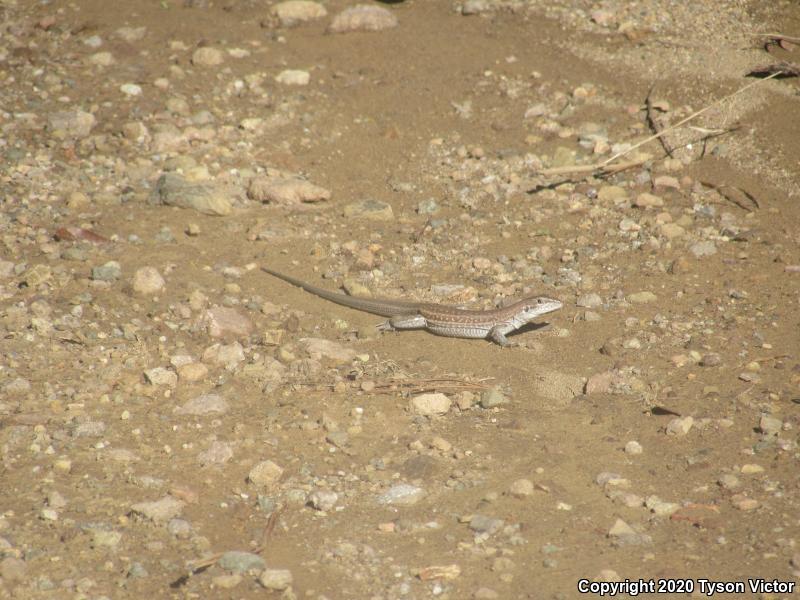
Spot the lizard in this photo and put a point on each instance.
(439, 319)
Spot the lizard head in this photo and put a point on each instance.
(530, 308)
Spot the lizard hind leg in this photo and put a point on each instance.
(403, 322)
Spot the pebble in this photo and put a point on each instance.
(672, 231)
(293, 77)
(159, 511)
(429, 405)
(591, 300)
(323, 500)
(172, 189)
(680, 426)
(148, 281)
(633, 447)
(643, 297)
(701, 249)
(203, 405)
(646, 200)
(402, 494)
(276, 579)
(161, 376)
(294, 12)
(131, 89)
(770, 425)
(73, 123)
(373, 210)
(363, 17)
(318, 348)
(241, 562)
(285, 190)
(485, 524)
(110, 271)
(521, 488)
(493, 397)
(265, 474)
(207, 57)
(223, 321)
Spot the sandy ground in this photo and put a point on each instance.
(175, 423)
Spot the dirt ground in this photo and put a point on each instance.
(176, 423)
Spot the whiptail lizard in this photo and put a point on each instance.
(439, 319)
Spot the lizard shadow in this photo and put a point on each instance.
(528, 327)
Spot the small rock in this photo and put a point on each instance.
(612, 193)
(363, 17)
(180, 528)
(751, 469)
(293, 77)
(680, 426)
(293, 12)
(207, 57)
(701, 249)
(493, 397)
(265, 474)
(131, 89)
(172, 189)
(672, 231)
(475, 7)
(711, 359)
(12, 569)
(432, 404)
(373, 210)
(218, 453)
(642, 297)
(161, 376)
(589, 301)
(319, 348)
(159, 511)
(276, 579)
(729, 481)
(742, 502)
(223, 321)
(192, 372)
(599, 383)
(323, 500)
(485, 524)
(285, 190)
(147, 281)
(402, 494)
(241, 562)
(203, 405)
(770, 425)
(633, 447)
(521, 488)
(646, 200)
(74, 123)
(111, 271)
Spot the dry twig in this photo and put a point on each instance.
(651, 121)
(732, 193)
(603, 168)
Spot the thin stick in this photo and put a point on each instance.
(686, 120)
(651, 121)
(605, 167)
(778, 36)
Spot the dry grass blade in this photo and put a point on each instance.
(419, 386)
(605, 166)
(781, 69)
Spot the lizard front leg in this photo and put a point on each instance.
(404, 322)
(498, 336)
